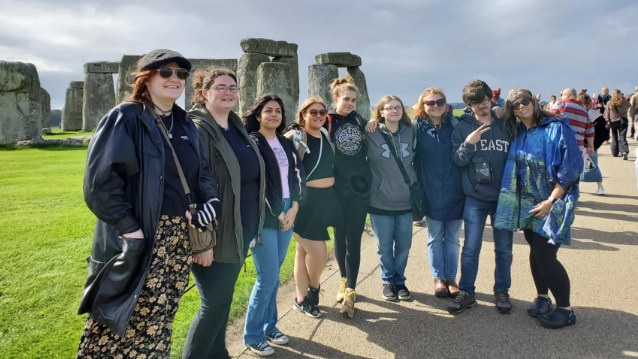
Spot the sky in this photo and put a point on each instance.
(406, 45)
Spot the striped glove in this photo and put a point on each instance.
(206, 214)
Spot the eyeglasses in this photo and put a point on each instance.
(314, 112)
(395, 108)
(523, 102)
(166, 72)
(224, 88)
(485, 102)
(439, 102)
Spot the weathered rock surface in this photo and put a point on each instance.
(45, 105)
(269, 47)
(363, 102)
(319, 79)
(128, 65)
(20, 104)
(293, 80)
(102, 67)
(340, 59)
(99, 98)
(272, 77)
(247, 77)
(72, 110)
(46, 131)
(200, 64)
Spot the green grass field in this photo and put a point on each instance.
(45, 235)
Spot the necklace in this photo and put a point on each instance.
(164, 113)
(170, 135)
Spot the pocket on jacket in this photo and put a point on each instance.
(394, 191)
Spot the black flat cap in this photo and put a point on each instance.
(157, 58)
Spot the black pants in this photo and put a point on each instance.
(348, 237)
(619, 134)
(547, 271)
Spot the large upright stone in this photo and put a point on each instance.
(102, 67)
(268, 47)
(293, 78)
(247, 77)
(319, 79)
(20, 107)
(45, 105)
(202, 64)
(99, 98)
(363, 102)
(128, 65)
(72, 110)
(340, 59)
(272, 77)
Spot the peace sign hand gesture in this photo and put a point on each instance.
(475, 136)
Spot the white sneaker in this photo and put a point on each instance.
(601, 191)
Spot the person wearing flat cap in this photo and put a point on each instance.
(145, 168)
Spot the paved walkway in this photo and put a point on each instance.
(602, 263)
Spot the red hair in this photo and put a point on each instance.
(140, 91)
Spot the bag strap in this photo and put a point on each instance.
(392, 149)
(164, 132)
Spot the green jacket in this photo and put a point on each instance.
(225, 167)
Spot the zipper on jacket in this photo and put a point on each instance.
(518, 187)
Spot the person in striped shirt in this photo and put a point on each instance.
(578, 119)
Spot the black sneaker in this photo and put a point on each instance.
(540, 306)
(402, 292)
(277, 337)
(503, 304)
(388, 292)
(308, 308)
(313, 295)
(557, 318)
(262, 349)
(462, 302)
(624, 156)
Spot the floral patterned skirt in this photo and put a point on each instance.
(148, 334)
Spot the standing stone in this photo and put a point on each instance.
(268, 47)
(72, 110)
(20, 106)
(319, 79)
(293, 78)
(202, 64)
(272, 77)
(247, 77)
(102, 67)
(99, 98)
(128, 65)
(363, 102)
(45, 104)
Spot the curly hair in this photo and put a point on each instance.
(204, 79)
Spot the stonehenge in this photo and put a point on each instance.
(319, 79)
(20, 102)
(99, 92)
(128, 65)
(72, 110)
(45, 105)
(247, 79)
(272, 77)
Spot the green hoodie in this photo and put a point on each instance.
(226, 171)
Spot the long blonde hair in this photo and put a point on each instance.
(419, 111)
(616, 98)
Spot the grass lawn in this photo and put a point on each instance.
(58, 134)
(46, 233)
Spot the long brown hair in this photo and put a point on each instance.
(405, 119)
(616, 98)
(304, 107)
(140, 92)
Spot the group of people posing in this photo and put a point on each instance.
(156, 174)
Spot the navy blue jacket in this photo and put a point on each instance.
(437, 174)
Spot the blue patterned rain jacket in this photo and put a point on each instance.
(537, 160)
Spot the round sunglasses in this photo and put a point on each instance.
(166, 72)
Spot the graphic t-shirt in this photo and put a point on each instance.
(282, 161)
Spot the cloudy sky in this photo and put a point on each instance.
(406, 45)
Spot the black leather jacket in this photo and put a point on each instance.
(123, 185)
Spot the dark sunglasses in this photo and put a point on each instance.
(523, 102)
(167, 72)
(321, 113)
(439, 102)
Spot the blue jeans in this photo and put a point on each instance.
(394, 239)
(443, 247)
(474, 216)
(261, 316)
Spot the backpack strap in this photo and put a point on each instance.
(329, 123)
(414, 122)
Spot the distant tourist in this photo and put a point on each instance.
(603, 98)
(543, 151)
(579, 121)
(632, 112)
(615, 112)
(600, 129)
(551, 103)
(496, 97)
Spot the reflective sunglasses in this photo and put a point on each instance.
(523, 102)
(167, 72)
(314, 112)
(439, 102)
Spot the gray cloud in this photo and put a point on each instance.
(406, 45)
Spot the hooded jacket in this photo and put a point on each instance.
(539, 159)
(296, 177)
(437, 174)
(389, 190)
(493, 148)
(123, 184)
(230, 247)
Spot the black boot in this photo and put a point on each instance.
(313, 295)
